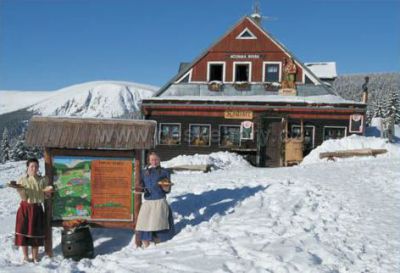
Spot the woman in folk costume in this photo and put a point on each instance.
(155, 221)
(29, 228)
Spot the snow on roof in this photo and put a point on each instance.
(323, 70)
(325, 99)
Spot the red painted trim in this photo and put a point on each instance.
(189, 108)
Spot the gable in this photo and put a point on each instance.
(231, 48)
(230, 43)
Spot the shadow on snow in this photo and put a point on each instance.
(197, 208)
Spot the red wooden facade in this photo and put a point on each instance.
(188, 104)
(257, 51)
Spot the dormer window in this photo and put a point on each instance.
(246, 34)
(216, 71)
(242, 71)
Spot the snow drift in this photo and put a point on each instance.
(350, 143)
(218, 160)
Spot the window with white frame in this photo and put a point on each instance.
(242, 71)
(272, 71)
(169, 134)
(216, 71)
(246, 34)
(199, 134)
(334, 132)
(229, 135)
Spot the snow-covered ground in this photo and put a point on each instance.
(91, 99)
(323, 217)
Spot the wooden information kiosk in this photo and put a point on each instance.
(93, 166)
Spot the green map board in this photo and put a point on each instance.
(73, 187)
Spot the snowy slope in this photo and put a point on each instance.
(322, 218)
(14, 100)
(92, 99)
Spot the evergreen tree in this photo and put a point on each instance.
(378, 109)
(5, 147)
(19, 150)
(393, 106)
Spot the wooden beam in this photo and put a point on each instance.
(255, 108)
(102, 153)
(351, 153)
(188, 113)
(48, 245)
(319, 116)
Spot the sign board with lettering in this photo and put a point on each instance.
(244, 56)
(93, 188)
(237, 114)
(288, 92)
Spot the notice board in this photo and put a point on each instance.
(93, 188)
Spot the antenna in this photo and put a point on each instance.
(257, 16)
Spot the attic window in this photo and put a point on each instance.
(216, 71)
(246, 34)
(242, 72)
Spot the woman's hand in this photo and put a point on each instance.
(48, 191)
(166, 188)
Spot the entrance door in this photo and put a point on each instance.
(271, 142)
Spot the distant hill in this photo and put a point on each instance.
(102, 99)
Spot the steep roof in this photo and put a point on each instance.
(90, 133)
(187, 67)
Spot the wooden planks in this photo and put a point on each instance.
(351, 153)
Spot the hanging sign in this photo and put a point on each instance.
(247, 130)
(356, 123)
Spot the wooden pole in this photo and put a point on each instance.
(138, 196)
(48, 246)
(302, 128)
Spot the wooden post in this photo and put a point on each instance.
(48, 246)
(138, 196)
(302, 128)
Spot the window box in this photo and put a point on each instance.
(271, 86)
(215, 86)
(242, 86)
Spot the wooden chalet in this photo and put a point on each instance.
(249, 94)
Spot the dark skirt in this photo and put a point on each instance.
(29, 226)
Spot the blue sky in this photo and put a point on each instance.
(50, 44)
